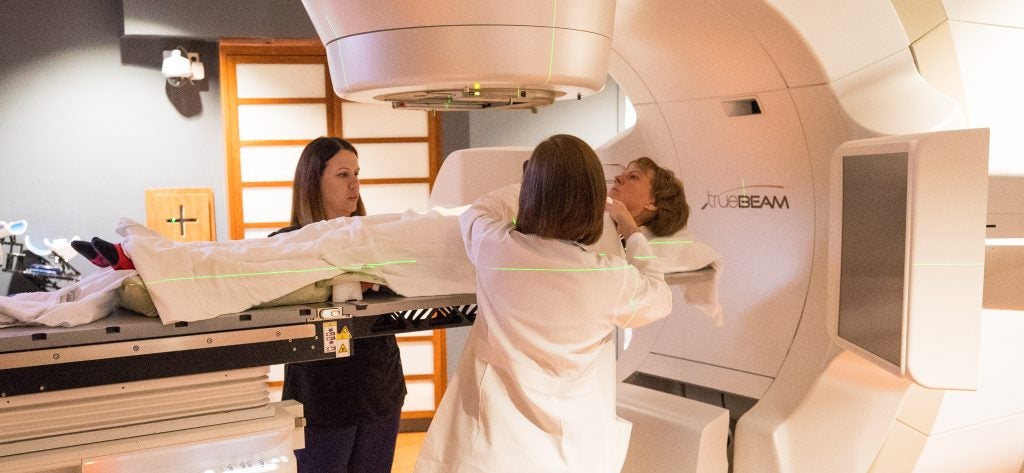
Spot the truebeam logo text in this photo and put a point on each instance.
(742, 198)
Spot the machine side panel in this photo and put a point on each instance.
(755, 205)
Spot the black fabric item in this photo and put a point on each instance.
(106, 249)
(359, 389)
(86, 249)
(366, 448)
(16, 283)
(349, 391)
(284, 230)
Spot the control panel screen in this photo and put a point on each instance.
(873, 265)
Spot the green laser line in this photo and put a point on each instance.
(670, 242)
(283, 271)
(636, 281)
(551, 55)
(645, 257)
(341, 59)
(564, 270)
(386, 263)
(947, 264)
(238, 275)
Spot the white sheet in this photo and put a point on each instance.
(87, 300)
(414, 254)
(681, 253)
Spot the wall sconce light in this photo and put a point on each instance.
(180, 66)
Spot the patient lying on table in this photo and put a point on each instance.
(414, 254)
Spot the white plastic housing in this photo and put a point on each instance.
(561, 46)
(471, 173)
(947, 186)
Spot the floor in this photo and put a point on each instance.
(406, 450)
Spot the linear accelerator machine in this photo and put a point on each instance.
(846, 199)
(846, 193)
(849, 209)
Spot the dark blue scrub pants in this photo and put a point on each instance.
(365, 448)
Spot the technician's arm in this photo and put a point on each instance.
(648, 296)
(489, 215)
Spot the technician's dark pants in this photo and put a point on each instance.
(366, 448)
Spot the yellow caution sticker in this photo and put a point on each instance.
(344, 348)
(345, 334)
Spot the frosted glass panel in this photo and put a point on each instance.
(296, 121)
(420, 396)
(280, 81)
(417, 357)
(269, 163)
(387, 160)
(259, 232)
(367, 120)
(394, 198)
(266, 204)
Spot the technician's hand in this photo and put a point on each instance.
(624, 222)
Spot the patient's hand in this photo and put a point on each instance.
(624, 222)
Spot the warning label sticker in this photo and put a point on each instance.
(330, 337)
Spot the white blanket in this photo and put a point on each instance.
(87, 300)
(681, 253)
(412, 253)
(415, 254)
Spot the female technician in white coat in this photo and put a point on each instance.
(535, 389)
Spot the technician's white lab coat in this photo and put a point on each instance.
(535, 387)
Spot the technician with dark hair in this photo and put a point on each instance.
(535, 388)
(352, 405)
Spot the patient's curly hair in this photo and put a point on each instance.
(669, 197)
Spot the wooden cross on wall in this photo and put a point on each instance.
(181, 220)
(181, 214)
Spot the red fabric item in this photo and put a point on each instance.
(123, 261)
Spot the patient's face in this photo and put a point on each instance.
(633, 188)
(339, 185)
